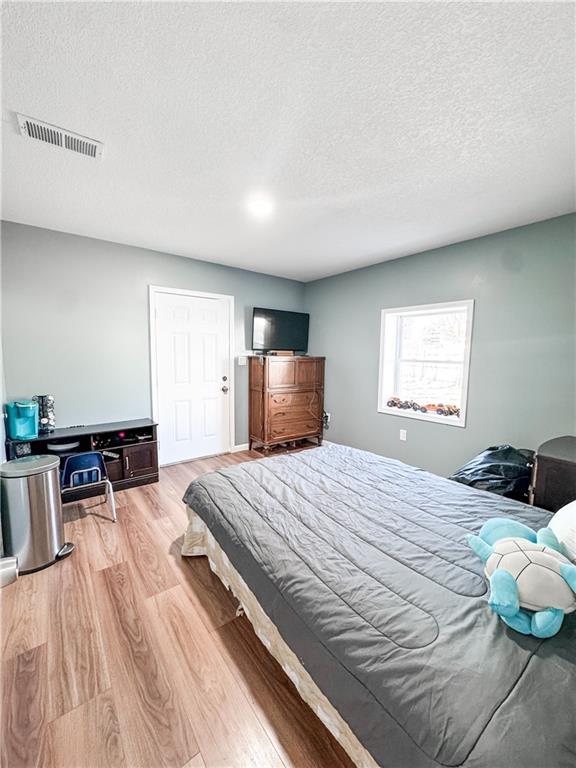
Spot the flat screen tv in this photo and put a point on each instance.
(274, 329)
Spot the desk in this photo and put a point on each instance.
(129, 448)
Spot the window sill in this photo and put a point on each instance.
(451, 421)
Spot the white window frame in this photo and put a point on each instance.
(388, 353)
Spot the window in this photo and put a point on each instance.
(424, 361)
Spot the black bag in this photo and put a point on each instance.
(500, 469)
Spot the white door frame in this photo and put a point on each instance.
(153, 291)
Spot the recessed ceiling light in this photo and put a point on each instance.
(260, 205)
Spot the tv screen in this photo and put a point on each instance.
(275, 329)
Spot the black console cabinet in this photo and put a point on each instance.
(129, 448)
(554, 478)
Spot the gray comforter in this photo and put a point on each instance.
(361, 563)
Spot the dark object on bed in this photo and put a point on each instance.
(362, 564)
(500, 469)
(554, 483)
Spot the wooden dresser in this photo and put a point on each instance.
(554, 475)
(286, 399)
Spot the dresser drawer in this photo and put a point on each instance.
(294, 399)
(294, 412)
(293, 429)
(280, 413)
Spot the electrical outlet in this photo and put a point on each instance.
(242, 360)
(403, 435)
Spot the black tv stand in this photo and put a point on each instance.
(129, 448)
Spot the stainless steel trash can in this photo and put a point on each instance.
(32, 527)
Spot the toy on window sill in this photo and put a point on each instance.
(438, 408)
(532, 583)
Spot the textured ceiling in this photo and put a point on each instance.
(381, 129)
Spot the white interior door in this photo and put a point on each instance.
(192, 335)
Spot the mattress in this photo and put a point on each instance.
(199, 541)
(361, 564)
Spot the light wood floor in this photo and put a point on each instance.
(127, 654)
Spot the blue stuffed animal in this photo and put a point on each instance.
(532, 582)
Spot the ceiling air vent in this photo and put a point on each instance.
(59, 137)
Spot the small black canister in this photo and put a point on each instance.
(46, 413)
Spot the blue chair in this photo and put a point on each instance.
(82, 470)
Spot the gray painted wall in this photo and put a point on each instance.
(522, 374)
(75, 320)
(61, 291)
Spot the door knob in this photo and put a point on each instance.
(224, 389)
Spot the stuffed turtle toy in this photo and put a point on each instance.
(532, 582)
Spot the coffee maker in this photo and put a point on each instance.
(22, 420)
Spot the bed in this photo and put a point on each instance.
(355, 573)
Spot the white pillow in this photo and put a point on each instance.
(563, 524)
